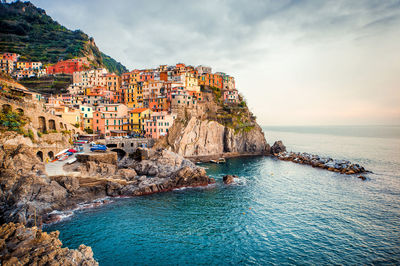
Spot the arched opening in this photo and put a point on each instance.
(122, 145)
(121, 153)
(42, 124)
(51, 155)
(6, 108)
(52, 124)
(61, 125)
(20, 111)
(111, 145)
(39, 155)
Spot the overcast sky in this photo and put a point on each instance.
(296, 62)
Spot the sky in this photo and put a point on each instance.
(296, 62)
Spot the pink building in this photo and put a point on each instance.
(231, 96)
(110, 117)
(159, 124)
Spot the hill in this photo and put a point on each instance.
(30, 32)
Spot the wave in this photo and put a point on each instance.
(57, 216)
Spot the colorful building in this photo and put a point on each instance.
(159, 123)
(231, 96)
(68, 66)
(86, 116)
(138, 117)
(110, 117)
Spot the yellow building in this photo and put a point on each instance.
(72, 116)
(134, 95)
(137, 118)
(86, 112)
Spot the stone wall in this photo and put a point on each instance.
(128, 145)
(39, 118)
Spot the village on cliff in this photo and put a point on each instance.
(140, 103)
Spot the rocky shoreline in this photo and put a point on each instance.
(29, 196)
(338, 166)
(20, 245)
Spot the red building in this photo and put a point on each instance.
(68, 66)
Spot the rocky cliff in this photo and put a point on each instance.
(216, 129)
(207, 138)
(30, 246)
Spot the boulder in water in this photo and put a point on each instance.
(229, 179)
(278, 147)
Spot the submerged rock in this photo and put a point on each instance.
(30, 246)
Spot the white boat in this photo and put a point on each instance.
(61, 152)
(220, 160)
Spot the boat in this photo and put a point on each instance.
(219, 160)
(63, 157)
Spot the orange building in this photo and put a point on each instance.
(113, 82)
(211, 80)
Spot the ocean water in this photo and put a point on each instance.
(278, 212)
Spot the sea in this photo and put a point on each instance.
(276, 213)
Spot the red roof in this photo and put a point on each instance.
(138, 110)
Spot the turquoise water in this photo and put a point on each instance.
(277, 213)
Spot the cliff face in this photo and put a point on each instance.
(216, 129)
(207, 138)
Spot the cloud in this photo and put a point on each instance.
(325, 49)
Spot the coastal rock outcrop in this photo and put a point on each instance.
(339, 166)
(163, 170)
(278, 147)
(229, 179)
(29, 196)
(206, 137)
(30, 246)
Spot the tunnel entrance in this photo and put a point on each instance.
(121, 153)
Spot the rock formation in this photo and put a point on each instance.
(229, 179)
(30, 246)
(28, 195)
(208, 138)
(339, 166)
(278, 147)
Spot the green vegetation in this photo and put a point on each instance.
(30, 134)
(235, 116)
(30, 32)
(217, 95)
(112, 65)
(12, 121)
(48, 84)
